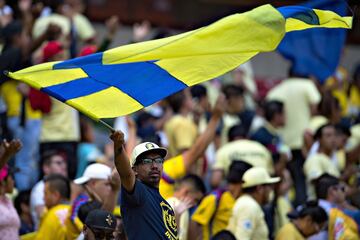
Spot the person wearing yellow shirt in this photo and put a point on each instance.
(247, 220)
(239, 147)
(321, 162)
(57, 195)
(309, 220)
(214, 211)
(188, 192)
(175, 168)
(180, 129)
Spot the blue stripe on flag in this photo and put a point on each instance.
(146, 82)
(76, 88)
(304, 14)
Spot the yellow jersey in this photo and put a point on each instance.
(173, 169)
(213, 213)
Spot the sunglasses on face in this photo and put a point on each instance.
(158, 160)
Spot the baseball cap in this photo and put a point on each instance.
(146, 147)
(94, 171)
(101, 220)
(257, 176)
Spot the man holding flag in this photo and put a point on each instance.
(145, 212)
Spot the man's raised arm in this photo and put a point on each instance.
(122, 162)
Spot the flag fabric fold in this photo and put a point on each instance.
(125, 79)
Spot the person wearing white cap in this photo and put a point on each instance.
(146, 213)
(96, 177)
(247, 221)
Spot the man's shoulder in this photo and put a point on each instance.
(246, 203)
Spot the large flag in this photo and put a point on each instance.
(125, 79)
(316, 52)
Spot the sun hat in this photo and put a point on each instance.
(146, 147)
(257, 176)
(94, 171)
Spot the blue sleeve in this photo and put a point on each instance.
(136, 197)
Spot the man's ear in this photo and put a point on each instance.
(134, 168)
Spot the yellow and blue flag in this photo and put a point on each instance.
(316, 52)
(125, 79)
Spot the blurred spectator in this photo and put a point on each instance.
(23, 121)
(243, 76)
(53, 162)
(236, 111)
(239, 147)
(22, 205)
(57, 195)
(300, 97)
(180, 130)
(87, 150)
(247, 220)
(344, 219)
(9, 219)
(60, 127)
(269, 137)
(177, 167)
(188, 191)
(308, 220)
(98, 183)
(214, 211)
(99, 224)
(320, 162)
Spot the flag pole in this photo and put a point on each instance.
(107, 125)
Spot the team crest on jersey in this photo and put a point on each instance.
(169, 221)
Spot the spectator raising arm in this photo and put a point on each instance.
(202, 142)
(122, 162)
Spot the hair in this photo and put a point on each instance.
(272, 108)
(87, 207)
(60, 184)
(22, 198)
(48, 155)
(223, 235)
(340, 128)
(232, 90)
(237, 170)
(319, 132)
(237, 131)
(312, 209)
(198, 91)
(176, 101)
(250, 190)
(195, 181)
(323, 183)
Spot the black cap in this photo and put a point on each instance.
(101, 220)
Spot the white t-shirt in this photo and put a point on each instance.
(37, 199)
